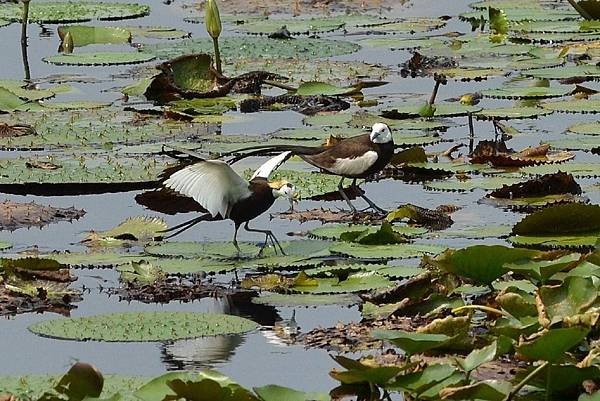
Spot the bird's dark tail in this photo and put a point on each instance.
(185, 225)
(268, 150)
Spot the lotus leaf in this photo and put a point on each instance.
(476, 232)
(399, 43)
(95, 259)
(592, 128)
(356, 282)
(511, 113)
(587, 72)
(565, 26)
(468, 73)
(398, 251)
(427, 383)
(412, 343)
(573, 297)
(537, 37)
(363, 371)
(58, 12)
(482, 263)
(100, 58)
(410, 25)
(486, 354)
(491, 390)
(10, 102)
(515, 328)
(574, 106)
(279, 393)
(517, 303)
(137, 229)
(82, 35)
(518, 13)
(485, 183)
(542, 270)
(412, 110)
(568, 225)
(314, 88)
(307, 26)
(551, 344)
(143, 326)
(576, 142)
(526, 93)
(254, 47)
(198, 249)
(295, 300)
(22, 90)
(156, 32)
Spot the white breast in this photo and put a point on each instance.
(354, 166)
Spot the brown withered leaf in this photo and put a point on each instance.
(548, 184)
(497, 154)
(42, 165)
(14, 215)
(331, 216)
(16, 130)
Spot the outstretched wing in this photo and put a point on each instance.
(271, 165)
(211, 183)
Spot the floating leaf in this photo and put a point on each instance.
(143, 326)
(398, 251)
(334, 231)
(295, 300)
(357, 282)
(526, 93)
(511, 113)
(58, 12)
(314, 88)
(551, 345)
(482, 263)
(574, 106)
(412, 343)
(568, 225)
(592, 128)
(237, 48)
(83, 35)
(137, 229)
(573, 297)
(279, 393)
(412, 110)
(100, 58)
(584, 71)
(542, 270)
(491, 390)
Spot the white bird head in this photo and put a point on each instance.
(381, 133)
(286, 190)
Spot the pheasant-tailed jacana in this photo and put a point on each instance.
(355, 157)
(226, 195)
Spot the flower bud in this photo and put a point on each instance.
(212, 19)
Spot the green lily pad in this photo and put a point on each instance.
(490, 390)
(477, 232)
(541, 270)
(468, 73)
(294, 300)
(512, 113)
(90, 174)
(412, 110)
(314, 88)
(588, 72)
(555, 37)
(334, 231)
(527, 93)
(236, 48)
(277, 393)
(518, 13)
(569, 225)
(20, 89)
(551, 345)
(156, 32)
(309, 184)
(397, 251)
(579, 170)
(100, 58)
(356, 282)
(143, 326)
(412, 342)
(398, 43)
(573, 297)
(307, 25)
(188, 266)
(574, 106)
(10, 102)
(482, 263)
(60, 12)
(485, 183)
(576, 142)
(82, 35)
(198, 249)
(95, 259)
(592, 128)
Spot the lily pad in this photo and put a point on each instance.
(295, 300)
(307, 25)
(587, 72)
(482, 263)
(236, 48)
(574, 106)
(572, 297)
(592, 128)
(572, 225)
(100, 58)
(412, 343)
(143, 326)
(334, 231)
(82, 35)
(412, 110)
(397, 251)
(551, 345)
(356, 282)
(511, 113)
(527, 93)
(60, 12)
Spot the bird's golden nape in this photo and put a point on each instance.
(381, 133)
(284, 189)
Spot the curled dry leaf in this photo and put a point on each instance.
(548, 184)
(497, 154)
(15, 130)
(14, 215)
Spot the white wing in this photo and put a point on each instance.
(211, 183)
(271, 165)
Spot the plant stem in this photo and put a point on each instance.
(471, 133)
(580, 10)
(526, 380)
(483, 308)
(217, 55)
(280, 85)
(435, 91)
(24, 22)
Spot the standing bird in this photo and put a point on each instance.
(355, 157)
(226, 195)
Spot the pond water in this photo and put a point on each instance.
(256, 358)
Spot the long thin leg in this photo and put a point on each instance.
(268, 236)
(371, 204)
(344, 196)
(235, 243)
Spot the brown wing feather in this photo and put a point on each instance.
(346, 149)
